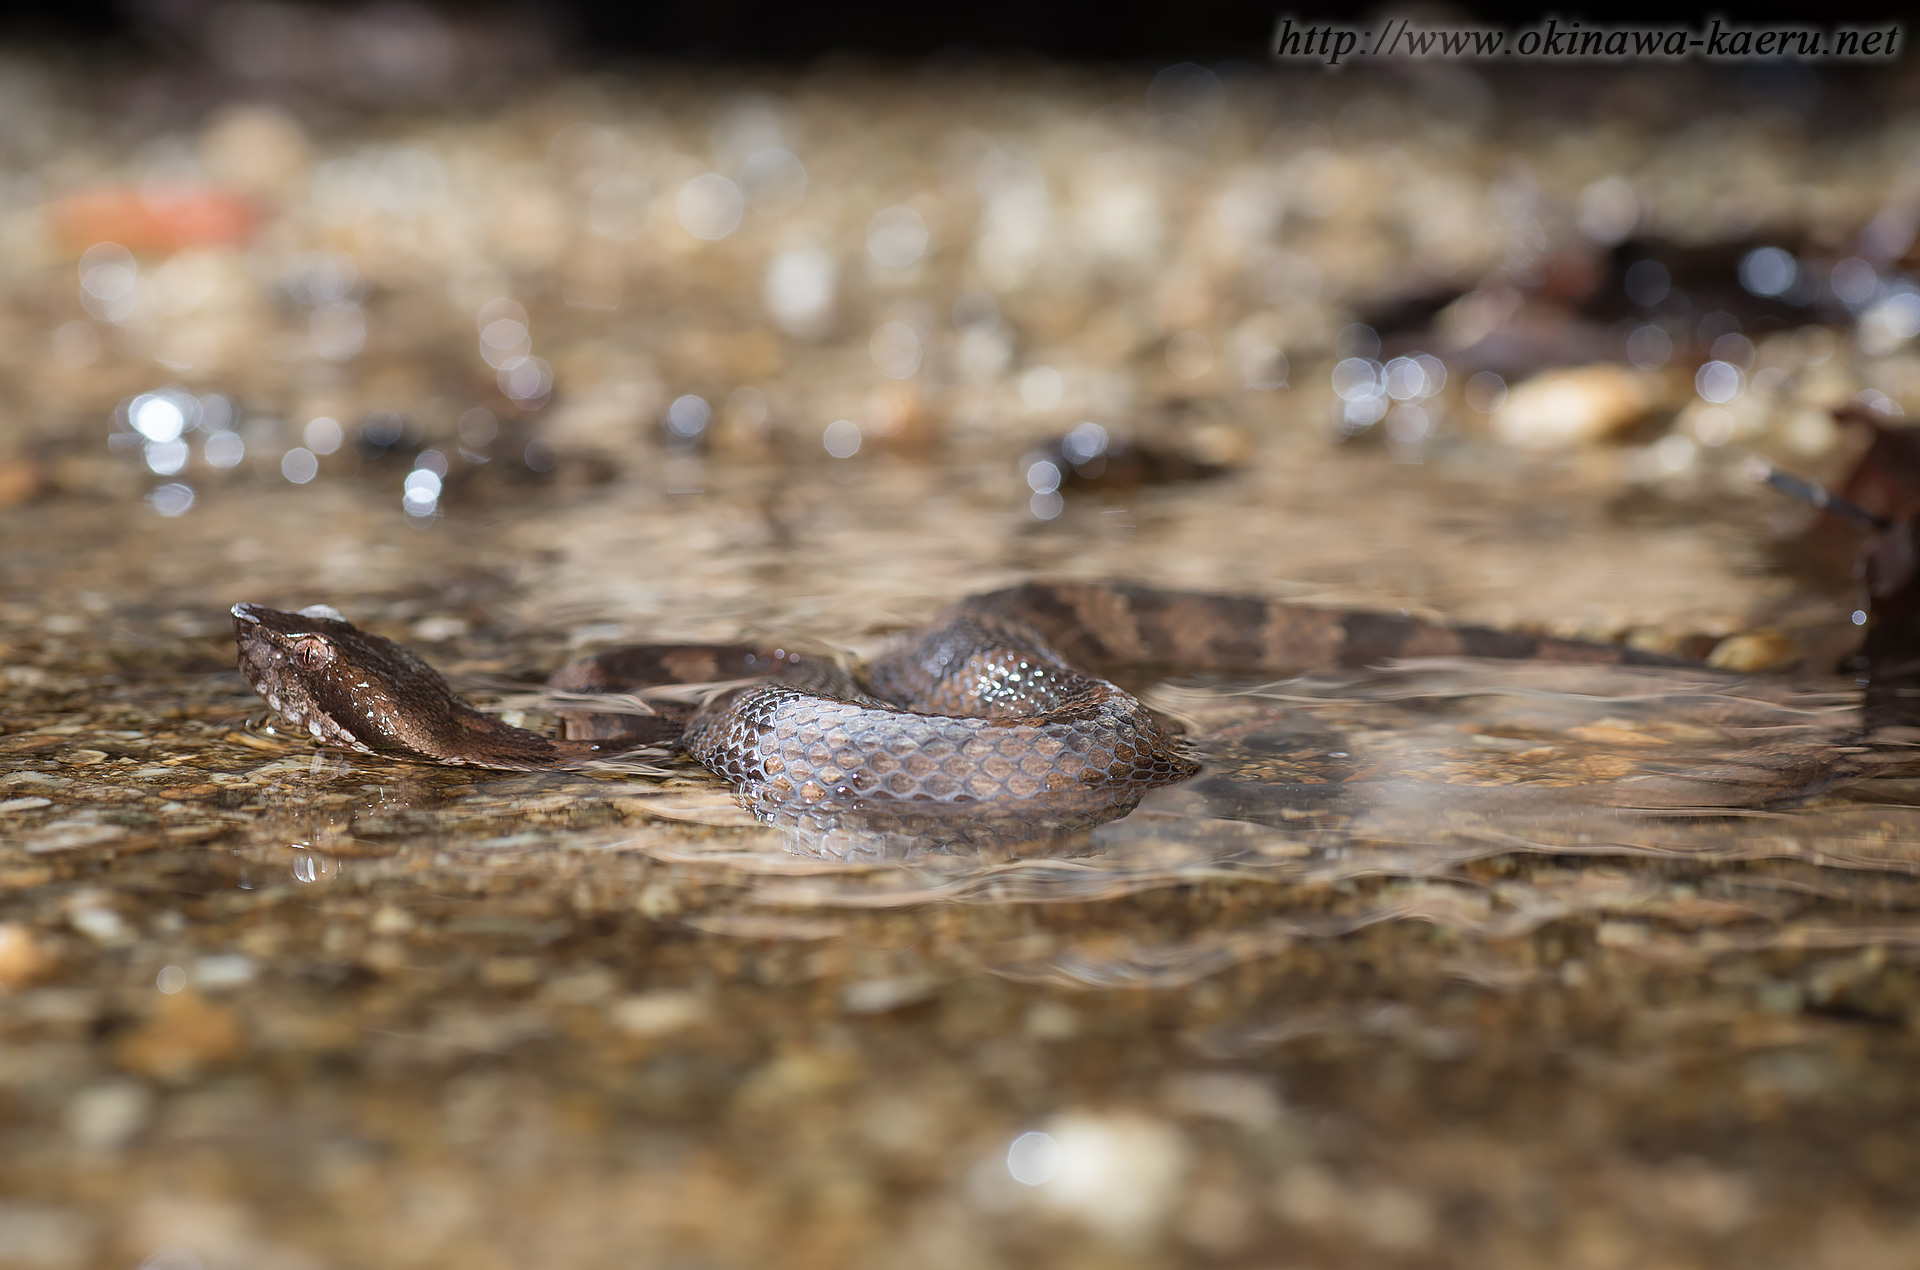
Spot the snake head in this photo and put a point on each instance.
(344, 685)
(349, 687)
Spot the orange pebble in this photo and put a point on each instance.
(157, 222)
(21, 958)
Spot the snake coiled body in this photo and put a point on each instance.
(981, 710)
(1001, 704)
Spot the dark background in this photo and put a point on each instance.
(789, 30)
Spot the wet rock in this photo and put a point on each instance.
(1755, 651)
(1566, 409)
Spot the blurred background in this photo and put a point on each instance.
(516, 331)
(288, 243)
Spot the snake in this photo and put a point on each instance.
(1005, 703)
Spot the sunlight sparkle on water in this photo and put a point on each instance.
(502, 340)
(110, 284)
(1718, 382)
(526, 381)
(422, 491)
(1768, 271)
(897, 237)
(1854, 282)
(322, 435)
(709, 206)
(1084, 441)
(1033, 1158)
(799, 291)
(773, 179)
(164, 458)
(841, 438)
(1041, 387)
(895, 348)
(478, 428)
(687, 417)
(172, 499)
(157, 417)
(1649, 347)
(299, 465)
(1486, 392)
(224, 449)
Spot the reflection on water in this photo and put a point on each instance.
(1405, 776)
(1426, 754)
(1458, 964)
(1408, 774)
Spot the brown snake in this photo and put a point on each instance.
(1000, 705)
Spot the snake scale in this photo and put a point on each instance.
(1002, 703)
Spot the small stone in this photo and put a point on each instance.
(225, 970)
(1052, 1021)
(22, 960)
(103, 1117)
(658, 1013)
(186, 1033)
(384, 956)
(73, 834)
(1755, 650)
(879, 996)
(391, 921)
(590, 986)
(1563, 409)
(658, 901)
(98, 923)
(510, 972)
(21, 479)
(438, 630)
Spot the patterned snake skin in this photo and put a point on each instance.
(979, 711)
(1000, 704)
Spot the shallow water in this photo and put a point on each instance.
(1440, 963)
(1413, 969)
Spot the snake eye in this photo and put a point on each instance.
(312, 653)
